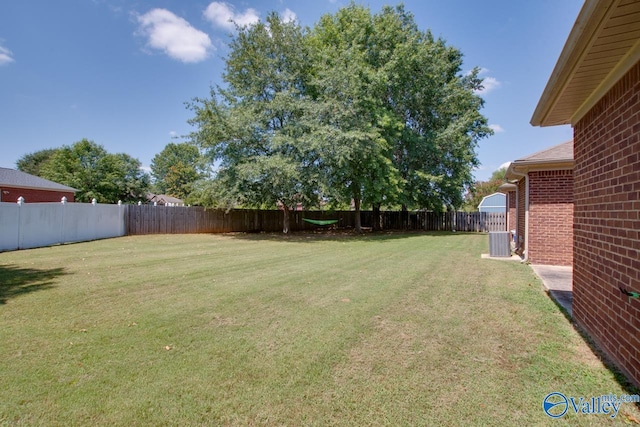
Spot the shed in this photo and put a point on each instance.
(15, 184)
(493, 203)
(595, 87)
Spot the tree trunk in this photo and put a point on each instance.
(286, 219)
(404, 217)
(377, 219)
(358, 224)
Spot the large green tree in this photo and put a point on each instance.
(437, 106)
(351, 123)
(405, 116)
(95, 173)
(176, 169)
(362, 108)
(252, 127)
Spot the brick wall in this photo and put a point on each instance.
(11, 194)
(511, 210)
(607, 222)
(551, 217)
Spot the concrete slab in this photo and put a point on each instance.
(501, 258)
(558, 281)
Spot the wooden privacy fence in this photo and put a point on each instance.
(149, 219)
(481, 221)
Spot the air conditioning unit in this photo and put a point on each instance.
(500, 243)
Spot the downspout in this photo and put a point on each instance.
(526, 218)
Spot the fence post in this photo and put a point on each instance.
(121, 218)
(62, 228)
(20, 232)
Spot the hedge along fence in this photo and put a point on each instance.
(149, 219)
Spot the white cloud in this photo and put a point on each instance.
(505, 165)
(174, 35)
(488, 83)
(173, 133)
(289, 15)
(496, 128)
(6, 56)
(223, 15)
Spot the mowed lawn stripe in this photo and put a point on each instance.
(382, 329)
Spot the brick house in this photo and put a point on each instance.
(544, 205)
(15, 184)
(595, 87)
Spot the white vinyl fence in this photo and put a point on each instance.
(33, 225)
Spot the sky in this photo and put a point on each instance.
(119, 72)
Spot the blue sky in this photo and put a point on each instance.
(119, 72)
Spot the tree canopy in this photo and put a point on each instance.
(481, 189)
(32, 163)
(176, 168)
(252, 127)
(95, 173)
(363, 108)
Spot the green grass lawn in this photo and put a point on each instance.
(398, 329)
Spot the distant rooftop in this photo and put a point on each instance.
(558, 157)
(558, 152)
(164, 199)
(18, 179)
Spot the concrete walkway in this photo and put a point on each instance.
(558, 281)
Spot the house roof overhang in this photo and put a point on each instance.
(602, 46)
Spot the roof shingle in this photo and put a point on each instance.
(15, 178)
(558, 152)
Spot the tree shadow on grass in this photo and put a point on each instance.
(342, 235)
(15, 281)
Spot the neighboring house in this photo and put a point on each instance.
(544, 205)
(164, 200)
(595, 87)
(15, 184)
(493, 203)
